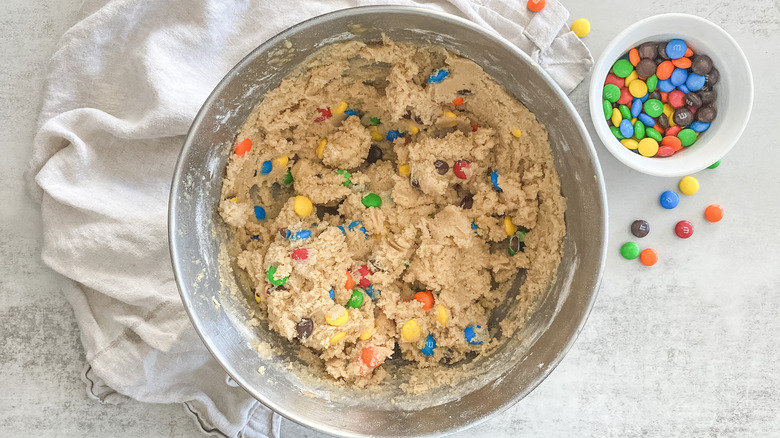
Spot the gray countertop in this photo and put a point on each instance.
(688, 347)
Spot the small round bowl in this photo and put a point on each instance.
(735, 92)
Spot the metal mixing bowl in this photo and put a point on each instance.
(198, 235)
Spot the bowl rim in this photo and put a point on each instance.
(618, 150)
(189, 142)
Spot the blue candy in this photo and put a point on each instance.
(683, 88)
(676, 48)
(303, 234)
(267, 167)
(699, 126)
(353, 224)
(636, 107)
(255, 237)
(392, 135)
(259, 213)
(665, 85)
(494, 180)
(645, 97)
(332, 294)
(370, 292)
(646, 119)
(350, 113)
(626, 128)
(343, 231)
(669, 199)
(438, 76)
(469, 333)
(679, 76)
(474, 226)
(430, 344)
(695, 82)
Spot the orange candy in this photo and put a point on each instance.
(633, 56)
(688, 53)
(426, 298)
(682, 62)
(350, 282)
(458, 101)
(664, 96)
(368, 355)
(536, 5)
(648, 257)
(243, 147)
(713, 213)
(672, 141)
(664, 70)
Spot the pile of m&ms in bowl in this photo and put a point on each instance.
(660, 97)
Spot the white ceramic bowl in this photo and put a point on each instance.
(735, 92)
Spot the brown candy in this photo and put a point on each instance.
(467, 202)
(305, 328)
(662, 50)
(712, 77)
(654, 95)
(645, 68)
(708, 97)
(663, 121)
(706, 114)
(693, 100)
(682, 117)
(640, 228)
(374, 154)
(441, 167)
(701, 64)
(647, 50)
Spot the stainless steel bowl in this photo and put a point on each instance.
(197, 236)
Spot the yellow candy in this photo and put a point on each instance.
(616, 117)
(509, 227)
(413, 129)
(302, 206)
(282, 161)
(234, 200)
(340, 108)
(410, 331)
(630, 143)
(633, 121)
(404, 170)
(630, 78)
(517, 133)
(340, 320)
(366, 335)
(669, 111)
(375, 135)
(648, 147)
(321, 148)
(689, 185)
(257, 296)
(637, 88)
(337, 337)
(581, 27)
(442, 315)
(449, 114)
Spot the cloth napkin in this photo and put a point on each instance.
(122, 89)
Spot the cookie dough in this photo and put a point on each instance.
(384, 199)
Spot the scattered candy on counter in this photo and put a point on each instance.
(629, 250)
(659, 97)
(714, 165)
(648, 257)
(713, 213)
(536, 5)
(581, 27)
(430, 345)
(689, 185)
(640, 228)
(683, 229)
(669, 199)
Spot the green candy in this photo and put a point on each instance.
(714, 165)
(625, 112)
(651, 83)
(347, 177)
(655, 135)
(372, 200)
(616, 132)
(687, 136)
(629, 250)
(269, 275)
(639, 130)
(607, 109)
(622, 68)
(288, 178)
(654, 107)
(374, 120)
(611, 93)
(356, 300)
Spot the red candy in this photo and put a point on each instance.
(616, 80)
(674, 130)
(676, 99)
(300, 254)
(665, 151)
(664, 97)
(625, 97)
(364, 273)
(324, 115)
(683, 229)
(462, 169)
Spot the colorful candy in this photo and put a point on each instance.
(640, 228)
(462, 169)
(442, 315)
(270, 276)
(325, 114)
(426, 298)
(648, 257)
(494, 180)
(337, 337)
(302, 206)
(714, 165)
(305, 328)
(364, 274)
(669, 199)
(470, 333)
(629, 250)
(689, 185)
(683, 229)
(581, 27)
(243, 147)
(536, 5)
(372, 200)
(410, 331)
(336, 316)
(355, 300)
(438, 76)
(266, 167)
(259, 213)
(300, 254)
(430, 345)
(713, 213)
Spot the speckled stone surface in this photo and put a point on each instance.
(686, 348)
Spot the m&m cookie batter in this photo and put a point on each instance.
(384, 199)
